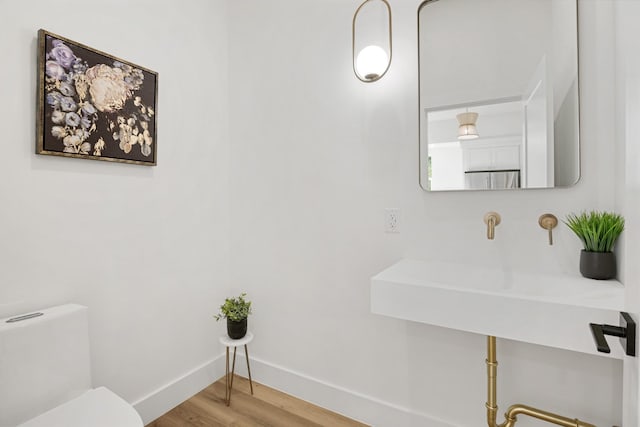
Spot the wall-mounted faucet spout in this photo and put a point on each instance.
(492, 219)
(548, 222)
(511, 414)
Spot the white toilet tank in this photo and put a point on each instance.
(44, 361)
(45, 374)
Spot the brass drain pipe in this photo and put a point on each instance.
(514, 410)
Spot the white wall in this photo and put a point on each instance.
(317, 156)
(628, 180)
(145, 248)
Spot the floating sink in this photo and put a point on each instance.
(546, 309)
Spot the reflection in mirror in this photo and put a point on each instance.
(499, 104)
(371, 34)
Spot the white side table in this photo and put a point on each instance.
(228, 342)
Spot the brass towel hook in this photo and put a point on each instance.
(548, 222)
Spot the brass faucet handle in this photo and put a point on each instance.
(492, 219)
(492, 215)
(548, 222)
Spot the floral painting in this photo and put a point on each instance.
(93, 105)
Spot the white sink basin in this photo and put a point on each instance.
(546, 309)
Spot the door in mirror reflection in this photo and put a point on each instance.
(499, 105)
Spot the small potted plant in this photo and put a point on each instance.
(598, 232)
(236, 311)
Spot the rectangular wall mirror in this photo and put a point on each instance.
(499, 105)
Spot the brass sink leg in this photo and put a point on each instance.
(514, 410)
(492, 377)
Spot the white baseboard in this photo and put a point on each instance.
(174, 393)
(349, 403)
(352, 404)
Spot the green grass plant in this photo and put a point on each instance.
(598, 231)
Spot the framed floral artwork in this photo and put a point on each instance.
(93, 105)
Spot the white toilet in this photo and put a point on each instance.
(45, 374)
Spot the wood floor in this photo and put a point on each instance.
(266, 408)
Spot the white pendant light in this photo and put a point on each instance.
(371, 40)
(467, 126)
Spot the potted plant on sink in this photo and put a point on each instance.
(598, 232)
(235, 310)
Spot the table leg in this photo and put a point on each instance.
(246, 353)
(227, 389)
(233, 370)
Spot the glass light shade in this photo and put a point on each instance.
(372, 62)
(467, 132)
(467, 128)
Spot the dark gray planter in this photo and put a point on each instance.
(237, 330)
(598, 265)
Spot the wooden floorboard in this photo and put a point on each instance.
(267, 407)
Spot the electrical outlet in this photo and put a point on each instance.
(392, 220)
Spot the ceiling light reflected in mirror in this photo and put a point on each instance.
(467, 126)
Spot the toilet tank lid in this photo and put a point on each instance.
(38, 316)
(99, 407)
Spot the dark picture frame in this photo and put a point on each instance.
(92, 105)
